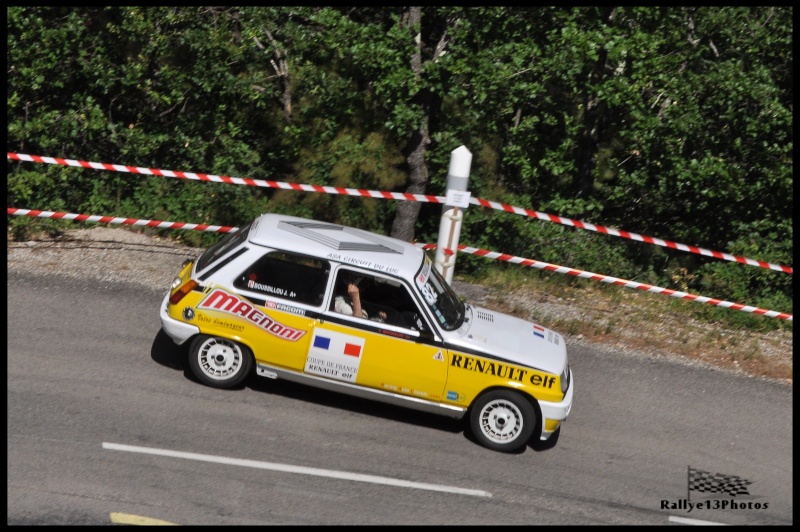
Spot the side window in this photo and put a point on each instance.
(287, 276)
(379, 299)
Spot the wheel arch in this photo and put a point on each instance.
(235, 338)
(522, 393)
(193, 366)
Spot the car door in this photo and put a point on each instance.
(285, 292)
(391, 355)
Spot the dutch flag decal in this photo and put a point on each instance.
(538, 331)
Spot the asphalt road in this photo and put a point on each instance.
(106, 426)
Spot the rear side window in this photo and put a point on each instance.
(231, 241)
(287, 276)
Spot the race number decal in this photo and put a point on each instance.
(429, 294)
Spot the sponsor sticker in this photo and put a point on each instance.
(335, 355)
(223, 301)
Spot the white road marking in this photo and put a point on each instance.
(138, 520)
(698, 522)
(298, 469)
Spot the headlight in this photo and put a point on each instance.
(176, 282)
(565, 379)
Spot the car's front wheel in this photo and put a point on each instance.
(502, 420)
(219, 362)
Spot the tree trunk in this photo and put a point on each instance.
(407, 212)
(281, 66)
(405, 217)
(594, 119)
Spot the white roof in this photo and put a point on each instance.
(337, 242)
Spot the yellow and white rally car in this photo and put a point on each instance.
(280, 296)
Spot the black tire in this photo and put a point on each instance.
(219, 362)
(502, 420)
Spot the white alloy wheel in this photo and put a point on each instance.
(219, 362)
(502, 420)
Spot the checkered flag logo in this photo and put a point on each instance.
(706, 482)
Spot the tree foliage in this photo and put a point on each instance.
(673, 122)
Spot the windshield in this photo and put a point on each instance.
(443, 302)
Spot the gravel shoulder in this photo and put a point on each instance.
(610, 324)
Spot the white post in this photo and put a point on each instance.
(453, 212)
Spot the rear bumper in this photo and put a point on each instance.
(554, 413)
(177, 330)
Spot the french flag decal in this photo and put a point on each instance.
(321, 342)
(538, 331)
(349, 349)
(353, 350)
(335, 355)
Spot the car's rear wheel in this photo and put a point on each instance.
(502, 420)
(219, 362)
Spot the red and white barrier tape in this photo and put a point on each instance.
(631, 236)
(402, 196)
(462, 248)
(229, 180)
(614, 280)
(118, 220)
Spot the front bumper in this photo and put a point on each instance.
(554, 413)
(175, 329)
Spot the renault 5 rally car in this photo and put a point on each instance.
(269, 298)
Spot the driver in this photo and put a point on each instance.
(350, 304)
